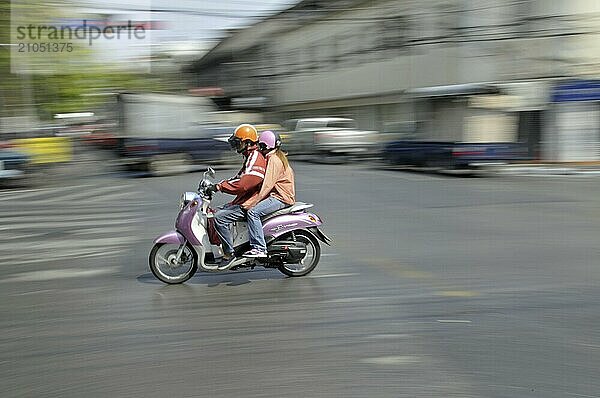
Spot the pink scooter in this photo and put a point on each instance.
(292, 237)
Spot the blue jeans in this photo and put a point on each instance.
(255, 227)
(223, 220)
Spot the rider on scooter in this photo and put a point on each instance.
(245, 185)
(277, 192)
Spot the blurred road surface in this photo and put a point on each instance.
(436, 286)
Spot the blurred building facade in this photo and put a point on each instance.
(465, 70)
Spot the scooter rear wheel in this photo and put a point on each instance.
(310, 260)
(164, 264)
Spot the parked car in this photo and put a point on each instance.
(329, 136)
(279, 129)
(13, 165)
(451, 155)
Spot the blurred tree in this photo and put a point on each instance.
(10, 85)
(58, 82)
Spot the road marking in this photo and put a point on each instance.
(99, 222)
(572, 394)
(87, 253)
(402, 175)
(69, 229)
(35, 292)
(457, 293)
(508, 386)
(332, 275)
(36, 276)
(348, 300)
(49, 244)
(392, 360)
(110, 196)
(87, 194)
(103, 230)
(53, 219)
(453, 321)
(588, 345)
(387, 336)
(11, 236)
(397, 268)
(13, 195)
(415, 274)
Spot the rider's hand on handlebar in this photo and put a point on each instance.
(211, 189)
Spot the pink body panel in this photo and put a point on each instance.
(280, 225)
(173, 237)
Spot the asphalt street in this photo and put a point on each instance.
(435, 286)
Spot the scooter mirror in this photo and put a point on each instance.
(211, 172)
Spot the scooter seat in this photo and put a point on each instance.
(296, 207)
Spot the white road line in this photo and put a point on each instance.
(70, 243)
(388, 336)
(11, 236)
(85, 194)
(81, 254)
(587, 345)
(106, 230)
(333, 275)
(357, 299)
(17, 192)
(36, 276)
(26, 193)
(402, 175)
(51, 219)
(572, 394)
(392, 360)
(453, 321)
(116, 209)
(112, 196)
(35, 292)
(37, 226)
(347, 300)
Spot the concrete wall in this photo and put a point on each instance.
(359, 62)
(573, 133)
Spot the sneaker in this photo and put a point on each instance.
(255, 253)
(227, 257)
(226, 260)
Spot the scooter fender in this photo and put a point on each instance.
(173, 237)
(283, 224)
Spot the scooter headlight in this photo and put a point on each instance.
(185, 199)
(314, 218)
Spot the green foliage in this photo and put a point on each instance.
(61, 82)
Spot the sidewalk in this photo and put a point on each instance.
(556, 169)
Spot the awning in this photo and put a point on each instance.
(454, 90)
(577, 91)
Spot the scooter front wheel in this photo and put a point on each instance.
(166, 267)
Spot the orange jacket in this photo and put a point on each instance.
(246, 183)
(278, 182)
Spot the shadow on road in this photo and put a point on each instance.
(229, 278)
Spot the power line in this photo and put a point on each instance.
(221, 13)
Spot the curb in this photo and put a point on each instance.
(546, 169)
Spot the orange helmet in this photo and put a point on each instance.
(246, 132)
(242, 134)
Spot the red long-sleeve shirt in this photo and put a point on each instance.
(246, 184)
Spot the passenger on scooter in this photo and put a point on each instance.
(277, 192)
(245, 185)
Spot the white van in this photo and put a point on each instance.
(329, 136)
